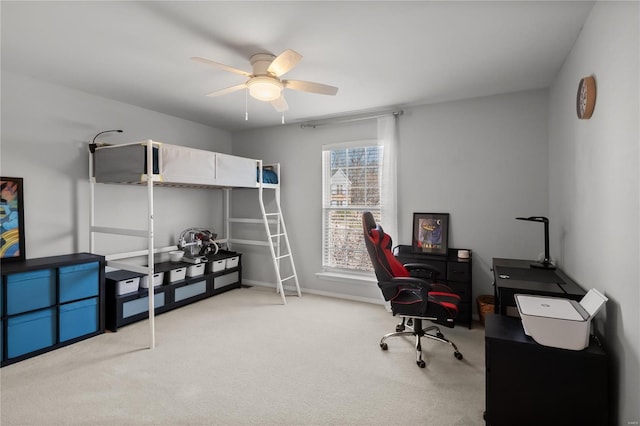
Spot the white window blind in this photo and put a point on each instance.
(351, 185)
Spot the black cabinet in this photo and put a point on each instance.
(531, 384)
(221, 273)
(454, 271)
(50, 302)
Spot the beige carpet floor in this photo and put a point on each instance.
(242, 358)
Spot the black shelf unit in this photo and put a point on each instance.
(132, 307)
(50, 302)
(454, 271)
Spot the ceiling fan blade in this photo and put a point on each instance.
(284, 62)
(280, 104)
(228, 90)
(308, 86)
(221, 66)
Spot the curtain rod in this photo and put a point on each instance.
(349, 119)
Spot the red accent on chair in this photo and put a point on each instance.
(395, 268)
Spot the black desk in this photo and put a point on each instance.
(531, 384)
(512, 276)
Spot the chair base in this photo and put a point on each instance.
(419, 332)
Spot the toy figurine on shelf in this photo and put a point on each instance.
(197, 243)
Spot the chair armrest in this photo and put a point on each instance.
(422, 268)
(394, 286)
(410, 281)
(416, 283)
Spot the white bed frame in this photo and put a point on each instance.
(184, 167)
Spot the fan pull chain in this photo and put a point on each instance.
(246, 104)
(283, 118)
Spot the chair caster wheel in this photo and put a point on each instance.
(421, 363)
(458, 355)
(399, 328)
(440, 335)
(384, 346)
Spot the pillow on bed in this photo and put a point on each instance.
(268, 176)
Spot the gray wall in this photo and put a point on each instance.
(45, 134)
(482, 160)
(594, 184)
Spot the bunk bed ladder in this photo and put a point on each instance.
(279, 256)
(276, 232)
(282, 259)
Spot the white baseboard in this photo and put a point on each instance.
(375, 301)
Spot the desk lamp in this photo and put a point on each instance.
(546, 262)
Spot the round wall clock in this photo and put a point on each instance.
(586, 98)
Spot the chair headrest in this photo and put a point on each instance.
(368, 221)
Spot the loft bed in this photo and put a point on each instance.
(174, 165)
(178, 166)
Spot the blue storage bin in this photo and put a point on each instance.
(78, 318)
(27, 291)
(30, 332)
(79, 281)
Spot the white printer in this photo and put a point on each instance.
(558, 322)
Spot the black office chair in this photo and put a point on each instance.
(412, 290)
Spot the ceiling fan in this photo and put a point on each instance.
(264, 82)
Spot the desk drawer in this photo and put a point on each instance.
(458, 272)
(461, 289)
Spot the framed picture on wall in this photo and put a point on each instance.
(11, 220)
(431, 233)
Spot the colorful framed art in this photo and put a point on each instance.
(12, 244)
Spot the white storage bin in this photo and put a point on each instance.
(218, 265)
(177, 274)
(195, 270)
(127, 286)
(157, 280)
(232, 262)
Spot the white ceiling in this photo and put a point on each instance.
(379, 53)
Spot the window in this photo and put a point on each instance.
(351, 185)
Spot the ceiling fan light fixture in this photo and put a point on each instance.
(264, 88)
